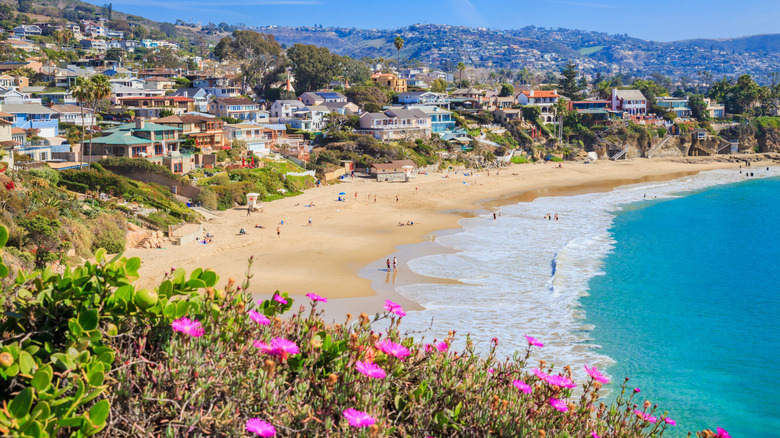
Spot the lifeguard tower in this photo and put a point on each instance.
(253, 201)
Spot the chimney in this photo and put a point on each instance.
(531, 93)
(139, 123)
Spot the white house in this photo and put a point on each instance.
(285, 108)
(258, 139)
(544, 99)
(24, 30)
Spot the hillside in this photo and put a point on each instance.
(443, 46)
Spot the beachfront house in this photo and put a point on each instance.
(236, 108)
(206, 132)
(285, 108)
(396, 170)
(543, 99)
(631, 102)
(676, 105)
(259, 139)
(395, 124)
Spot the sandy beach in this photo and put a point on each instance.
(335, 255)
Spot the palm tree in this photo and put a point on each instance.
(100, 89)
(461, 67)
(81, 92)
(399, 44)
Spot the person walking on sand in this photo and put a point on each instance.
(395, 264)
(374, 199)
(248, 211)
(396, 199)
(278, 232)
(309, 220)
(355, 196)
(388, 265)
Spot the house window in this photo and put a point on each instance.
(158, 149)
(177, 167)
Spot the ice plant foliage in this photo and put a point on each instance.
(559, 405)
(596, 374)
(258, 317)
(522, 386)
(371, 370)
(188, 326)
(533, 341)
(394, 308)
(260, 427)
(358, 418)
(391, 348)
(315, 297)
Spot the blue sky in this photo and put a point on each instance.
(660, 20)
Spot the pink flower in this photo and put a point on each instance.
(264, 348)
(670, 422)
(358, 418)
(315, 297)
(370, 369)
(522, 386)
(560, 381)
(596, 374)
(260, 427)
(258, 317)
(539, 373)
(645, 416)
(282, 347)
(559, 404)
(636, 390)
(389, 347)
(278, 298)
(188, 326)
(394, 308)
(722, 434)
(534, 342)
(441, 346)
(594, 434)
(490, 371)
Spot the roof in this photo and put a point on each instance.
(330, 95)
(148, 126)
(158, 78)
(297, 103)
(247, 126)
(124, 138)
(540, 93)
(395, 164)
(235, 101)
(189, 92)
(9, 143)
(5, 122)
(68, 109)
(26, 108)
(18, 131)
(629, 95)
(185, 118)
(153, 98)
(406, 113)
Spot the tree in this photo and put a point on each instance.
(166, 112)
(355, 71)
(744, 94)
(461, 67)
(99, 90)
(698, 107)
(399, 44)
(108, 10)
(81, 93)
(25, 6)
(114, 54)
(567, 83)
(531, 113)
(370, 97)
(439, 86)
(507, 90)
(259, 56)
(312, 66)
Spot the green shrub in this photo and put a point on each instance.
(50, 175)
(517, 159)
(109, 233)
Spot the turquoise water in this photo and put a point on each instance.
(689, 306)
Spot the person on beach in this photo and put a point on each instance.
(396, 199)
(309, 220)
(374, 199)
(388, 265)
(278, 232)
(556, 216)
(355, 196)
(494, 215)
(248, 211)
(395, 264)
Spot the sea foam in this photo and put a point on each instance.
(523, 274)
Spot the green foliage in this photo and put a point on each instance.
(567, 83)
(62, 334)
(259, 56)
(109, 233)
(439, 86)
(507, 90)
(312, 66)
(531, 112)
(519, 160)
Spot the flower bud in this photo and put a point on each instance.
(269, 366)
(373, 430)
(647, 404)
(332, 379)
(542, 433)
(6, 360)
(364, 318)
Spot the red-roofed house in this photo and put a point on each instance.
(544, 99)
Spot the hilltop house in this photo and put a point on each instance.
(258, 139)
(441, 119)
(391, 81)
(395, 124)
(207, 132)
(218, 87)
(72, 114)
(285, 108)
(236, 108)
(119, 92)
(544, 99)
(33, 116)
(151, 106)
(714, 109)
(199, 95)
(157, 143)
(152, 72)
(24, 30)
(312, 98)
(422, 98)
(632, 102)
(308, 118)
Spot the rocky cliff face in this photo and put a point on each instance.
(769, 141)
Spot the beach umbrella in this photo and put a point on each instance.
(342, 193)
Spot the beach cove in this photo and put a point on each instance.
(344, 237)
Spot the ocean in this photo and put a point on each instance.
(673, 284)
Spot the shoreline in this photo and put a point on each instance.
(337, 256)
